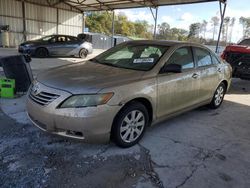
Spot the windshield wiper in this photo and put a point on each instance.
(95, 60)
(111, 64)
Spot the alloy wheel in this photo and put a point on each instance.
(132, 126)
(219, 95)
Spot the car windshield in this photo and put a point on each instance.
(245, 42)
(46, 38)
(132, 56)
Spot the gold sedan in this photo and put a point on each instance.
(126, 89)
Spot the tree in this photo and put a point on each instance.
(245, 22)
(203, 28)
(194, 30)
(231, 25)
(225, 29)
(215, 23)
(101, 22)
(163, 29)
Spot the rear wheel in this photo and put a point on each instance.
(130, 124)
(83, 53)
(218, 96)
(42, 53)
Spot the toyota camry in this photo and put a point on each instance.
(122, 91)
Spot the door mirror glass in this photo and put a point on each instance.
(171, 68)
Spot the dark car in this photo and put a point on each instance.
(239, 57)
(57, 45)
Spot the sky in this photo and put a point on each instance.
(181, 16)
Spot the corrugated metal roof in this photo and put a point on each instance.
(96, 5)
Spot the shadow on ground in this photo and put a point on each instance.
(204, 148)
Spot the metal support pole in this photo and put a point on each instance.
(222, 15)
(57, 21)
(155, 16)
(24, 22)
(83, 22)
(113, 28)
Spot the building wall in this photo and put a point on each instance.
(40, 20)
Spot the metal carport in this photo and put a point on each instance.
(100, 5)
(82, 6)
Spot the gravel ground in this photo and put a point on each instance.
(201, 148)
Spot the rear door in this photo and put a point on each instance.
(72, 43)
(209, 73)
(177, 91)
(60, 46)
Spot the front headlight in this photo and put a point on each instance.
(79, 101)
(28, 45)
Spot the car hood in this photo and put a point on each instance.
(87, 77)
(32, 42)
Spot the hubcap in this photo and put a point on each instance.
(219, 95)
(132, 126)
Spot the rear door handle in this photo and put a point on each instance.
(195, 75)
(219, 69)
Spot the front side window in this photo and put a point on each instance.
(132, 56)
(203, 57)
(47, 38)
(182, 56)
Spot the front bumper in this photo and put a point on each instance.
(91, 124)
(25, 50)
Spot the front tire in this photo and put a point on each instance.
(218, 96)
(41, 53)
(130, 124)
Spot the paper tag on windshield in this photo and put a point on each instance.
(144, 60)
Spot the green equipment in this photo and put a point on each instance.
(7, 88)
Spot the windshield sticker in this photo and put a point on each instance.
(144, 60)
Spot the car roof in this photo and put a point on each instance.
(62, 36)
(163, 43)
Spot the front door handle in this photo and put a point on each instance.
(219, 69)
(195, 75)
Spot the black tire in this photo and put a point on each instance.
(218, 96)
(41, 53)
(120, 121)
(83, 53)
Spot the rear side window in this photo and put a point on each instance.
(72, 39)
(184, 57)
(203, 57)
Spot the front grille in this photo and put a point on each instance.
(43, 98)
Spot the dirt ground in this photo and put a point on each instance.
(201, 148)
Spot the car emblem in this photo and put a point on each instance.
(35, 89)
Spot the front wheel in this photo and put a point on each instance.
(41, 53)
(218, 96)
(130, 124)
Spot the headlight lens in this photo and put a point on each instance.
(27, 45)
(79, 101)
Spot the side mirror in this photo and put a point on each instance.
(171, 68)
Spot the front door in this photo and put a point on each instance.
(177, 91)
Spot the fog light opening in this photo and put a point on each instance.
(74, 133)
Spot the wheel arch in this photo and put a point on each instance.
(225, 82)
(146, 102)
(41, 47)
